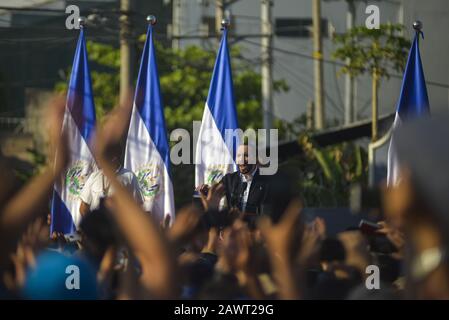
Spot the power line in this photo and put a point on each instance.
(246, 17)
(336, 84)
(62, 11)
(341, 64)
(85, 11)
(295, 88)
(298, 80)
(303, 55)
(116, 11)
(52, 39)
(332, 102)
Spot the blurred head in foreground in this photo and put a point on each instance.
(59, 277)
(419, 202)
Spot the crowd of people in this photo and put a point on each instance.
(207, 252)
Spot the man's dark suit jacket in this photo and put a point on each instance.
(258, 192)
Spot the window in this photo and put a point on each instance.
(297, 28)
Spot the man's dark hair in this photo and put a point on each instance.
(390, 268)
(332, 250)
(218, 219)
(99, 230)
(282, 192)
(222, 287)
(329, 287)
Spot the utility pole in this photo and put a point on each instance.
(219, 15)
(318, 65)
(176, 23)
(350, 111)
(309, 115)
(374, 104)
(267, 63)
(222, 12)
(401, 16)
(126, 50)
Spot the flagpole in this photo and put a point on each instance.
(417, 26)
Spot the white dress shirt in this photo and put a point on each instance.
(248, 181)
(97, 186)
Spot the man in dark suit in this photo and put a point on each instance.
(249, 191)
(246, 189)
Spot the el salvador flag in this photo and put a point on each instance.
(216, 146)
(413, 102)
(147, 150)
(79, 125)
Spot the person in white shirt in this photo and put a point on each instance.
(97, 186)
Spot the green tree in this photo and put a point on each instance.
(373, 51)
(327, 173)
(104, 62)
(323, 174)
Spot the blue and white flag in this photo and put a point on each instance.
(147, 151)
(216, 145)
(79, 125)
(413, 102)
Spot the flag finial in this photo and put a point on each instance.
(417, 25)
(225, 23)
(151, 19)
(82, 22)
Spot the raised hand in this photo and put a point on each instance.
(314, 234)
(279, 240)
(33, 240)
(214, 194)
(234, 250)
(186, 223)
(113, 131)
(158, 278)
(58, 150)
(279, 236)
(32, 199)
(396, 237)
(356, 247)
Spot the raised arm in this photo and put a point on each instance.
(279, 241)
(140, 231)
(32, 199)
